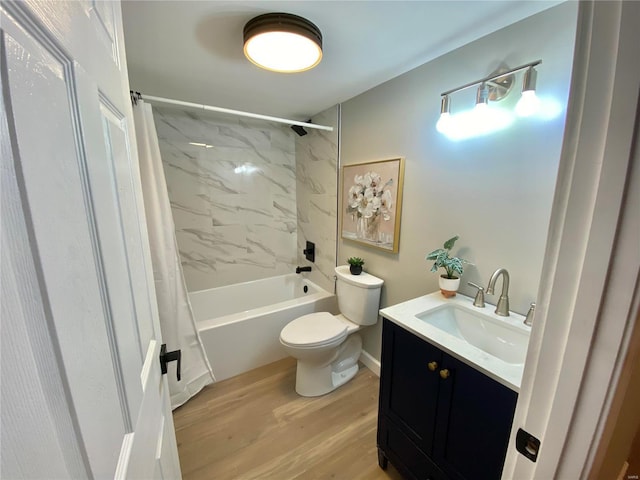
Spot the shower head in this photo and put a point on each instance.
(299, 130)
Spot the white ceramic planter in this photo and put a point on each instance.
(448, 286)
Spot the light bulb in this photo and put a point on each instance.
(481, 114)
(528, 105)
(283, 52)
(444, 122)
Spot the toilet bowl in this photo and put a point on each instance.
(326, 346)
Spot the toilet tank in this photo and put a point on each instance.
(358, 295)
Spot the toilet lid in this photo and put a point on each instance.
(314, 329)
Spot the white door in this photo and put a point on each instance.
(82, 392)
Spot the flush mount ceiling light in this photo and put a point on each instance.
(282, 42)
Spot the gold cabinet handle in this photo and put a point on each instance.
(432, 366)
(444, 374)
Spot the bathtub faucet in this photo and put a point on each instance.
(303, 269)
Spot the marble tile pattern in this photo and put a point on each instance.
(317, 187)
(233, 197)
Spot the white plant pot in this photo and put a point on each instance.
(449, 286)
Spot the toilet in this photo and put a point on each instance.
(325, 345)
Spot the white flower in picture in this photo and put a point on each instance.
(386, 202)
(368, 197)
(355, 197)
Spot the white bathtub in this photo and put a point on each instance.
(240, 324)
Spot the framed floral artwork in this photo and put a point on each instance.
(372, 203)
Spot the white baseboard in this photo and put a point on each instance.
(370, 362)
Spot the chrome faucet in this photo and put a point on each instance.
(502, 307)
(303, 269)
(479, 300)
(529, 318)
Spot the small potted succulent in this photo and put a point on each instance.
(355, 265)
(453, 266)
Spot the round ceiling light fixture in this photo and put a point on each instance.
(282, 42)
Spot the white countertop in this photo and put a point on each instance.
(404, 315)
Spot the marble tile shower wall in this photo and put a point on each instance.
(316, 172)
(233, 197)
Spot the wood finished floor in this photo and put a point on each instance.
(254, 426)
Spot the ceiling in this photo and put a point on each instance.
(192, 50)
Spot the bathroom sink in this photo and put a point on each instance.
(494, 345)
(480, 329)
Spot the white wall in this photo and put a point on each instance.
(233, 203)
(494, 191)
(234, 227)
(316, 196)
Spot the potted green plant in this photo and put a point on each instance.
(355, 265)
(453, 267)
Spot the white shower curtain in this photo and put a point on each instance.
(177, 322)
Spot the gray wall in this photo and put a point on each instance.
(233, 203)
(494, 191)
(316, 196)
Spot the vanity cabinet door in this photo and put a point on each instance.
(409, 388)
(473, 423)
(443, 419)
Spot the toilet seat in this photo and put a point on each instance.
(314, 330)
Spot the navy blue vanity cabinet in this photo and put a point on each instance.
(439, 418)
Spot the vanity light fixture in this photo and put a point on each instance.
(445, 114)
(494, 88)
(529, 103)
(482, 97)
(282, 42)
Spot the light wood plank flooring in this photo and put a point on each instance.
(254, 426)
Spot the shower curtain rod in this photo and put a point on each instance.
(235, 112)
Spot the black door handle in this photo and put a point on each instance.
(166, 357)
